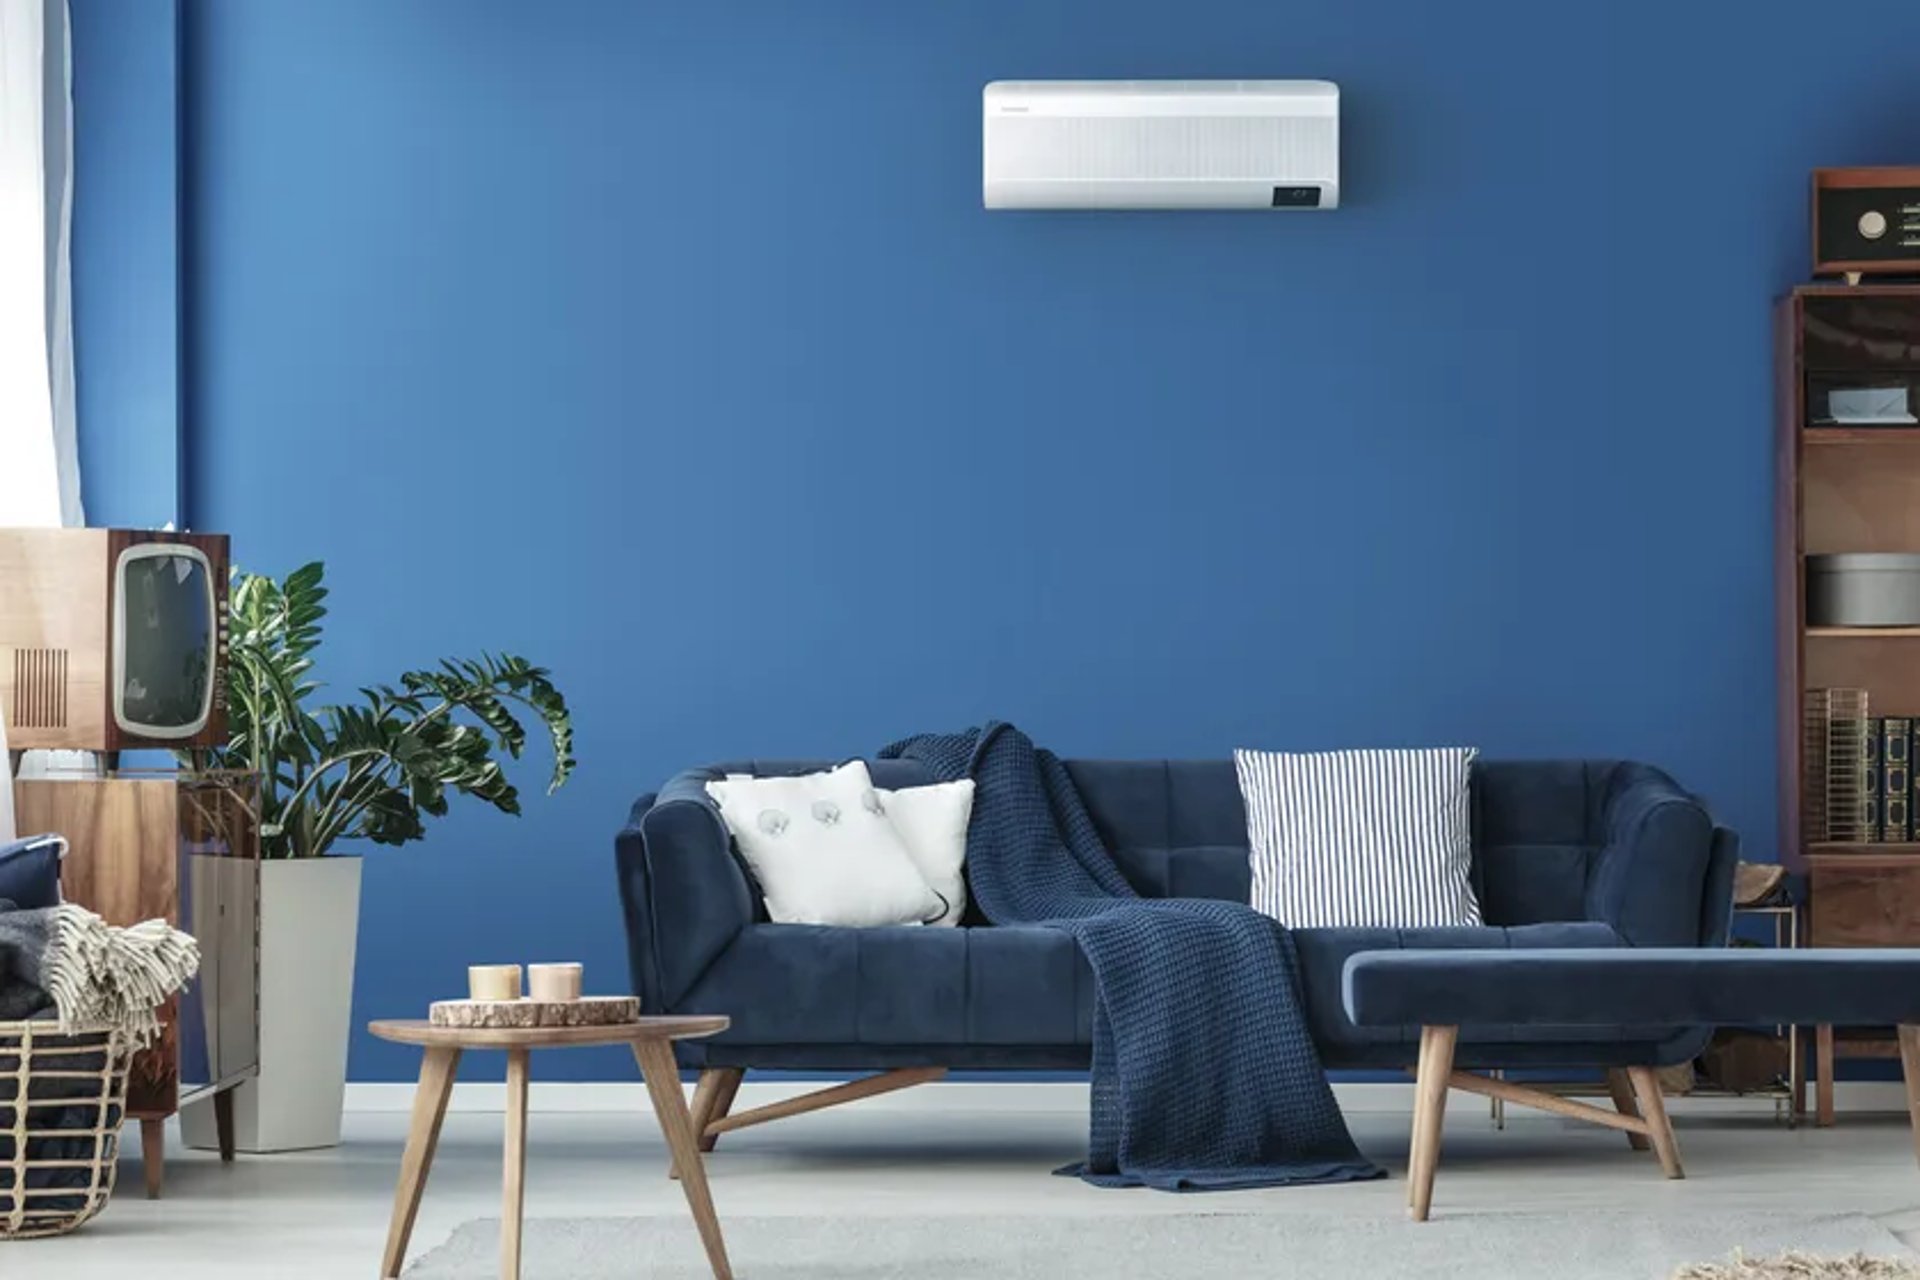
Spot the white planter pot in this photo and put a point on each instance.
(309, 924)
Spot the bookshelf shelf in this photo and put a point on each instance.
(1854, 849)
(1861, 633)
(1861, 435)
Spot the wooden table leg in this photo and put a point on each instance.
(1622, 1090)
(423, 1135)
(153, 1153)
(1429, 1115)
(670, 1108)
(1910, 1072)
(712, 1099)
(1646, 1084)
(513, 1184)
(1823, 1075)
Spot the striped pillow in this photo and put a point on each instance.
(1361, 838)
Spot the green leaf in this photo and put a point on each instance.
(377, 769)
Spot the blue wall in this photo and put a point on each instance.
(126, 264)
(670, 346)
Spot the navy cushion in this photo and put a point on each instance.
(1674, 986)
(1323, 961)
(808, 984)
(790, 984)
(30, 872)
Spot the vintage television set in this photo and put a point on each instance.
(113, 639)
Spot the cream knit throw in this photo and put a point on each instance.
(103, 976)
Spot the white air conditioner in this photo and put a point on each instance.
(1162, 144)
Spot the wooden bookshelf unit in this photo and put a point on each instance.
(1845, 488)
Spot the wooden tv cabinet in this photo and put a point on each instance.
(183, 847)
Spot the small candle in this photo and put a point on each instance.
(493, 982)
(554, 981)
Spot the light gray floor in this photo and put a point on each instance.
(324, 1214)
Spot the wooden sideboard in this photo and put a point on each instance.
(184, 848)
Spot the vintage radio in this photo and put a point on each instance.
(1866, 222)
(113, 638)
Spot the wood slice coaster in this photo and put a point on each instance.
(588, 1011)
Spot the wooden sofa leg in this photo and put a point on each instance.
(821, 1099)
(1646, 1085)
(1429, 1115)
(712, 1099)
(720, 1117)
(1622, 1090)
(725, 1084)
(1910, 1071)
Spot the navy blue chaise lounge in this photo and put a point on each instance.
(1440, 991)
(1567, 855)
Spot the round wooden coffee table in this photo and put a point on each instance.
(651, 1039)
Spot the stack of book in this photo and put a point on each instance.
(1887, 784)
(1834, 729)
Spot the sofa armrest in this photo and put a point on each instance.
(1664, 864)
(684, 895)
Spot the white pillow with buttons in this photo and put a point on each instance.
(824, 851)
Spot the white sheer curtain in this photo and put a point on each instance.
(39, 465)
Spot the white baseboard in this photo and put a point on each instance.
(1016, 1096)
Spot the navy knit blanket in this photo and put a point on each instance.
(1205, 1077)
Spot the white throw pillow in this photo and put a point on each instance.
(1350, 839)
(933, 822)
(824, 850)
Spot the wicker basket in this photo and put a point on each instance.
(62, 1099)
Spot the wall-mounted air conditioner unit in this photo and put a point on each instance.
(1162, 144)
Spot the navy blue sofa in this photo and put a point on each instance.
(1566, 854)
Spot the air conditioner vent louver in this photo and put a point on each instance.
(1040, 149)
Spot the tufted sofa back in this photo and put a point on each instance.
(1178, 828)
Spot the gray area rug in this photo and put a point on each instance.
(1556, 1246)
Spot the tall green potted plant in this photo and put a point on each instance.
(333, 777)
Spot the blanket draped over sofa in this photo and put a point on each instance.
(1204, 1074)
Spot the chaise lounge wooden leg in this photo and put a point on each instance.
(1649, 1117)
(1653, 1107)
(1622, 1090)
(1429, 1115)
(1823, 1075)
(1910, 1071)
